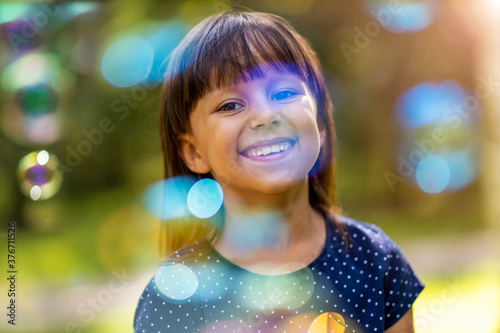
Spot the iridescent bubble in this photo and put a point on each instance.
(39, 181)
(176, 281)
(205, 198)
(400, 17)
(167, 199)
(127, 61)
(328, 322)
(433, 174)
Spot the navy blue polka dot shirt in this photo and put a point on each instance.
(364, 286)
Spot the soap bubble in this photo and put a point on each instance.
(433, 174)
(127, 61)
(39, 175)
(205, 198)
(176, 281)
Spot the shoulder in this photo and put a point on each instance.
(367, 243)
(362, 232)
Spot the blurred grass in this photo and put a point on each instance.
(67, 250)
(463, 302)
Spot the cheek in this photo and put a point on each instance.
(221, 141)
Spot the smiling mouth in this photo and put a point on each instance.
(271, 149)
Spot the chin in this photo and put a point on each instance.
(277, 185)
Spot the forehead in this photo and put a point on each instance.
(221, 77)
(268, 72)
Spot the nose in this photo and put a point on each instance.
(264, 115)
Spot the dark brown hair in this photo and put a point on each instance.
(222, 50)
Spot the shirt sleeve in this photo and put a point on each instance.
(401, 285)
(157, 312)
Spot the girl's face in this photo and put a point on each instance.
(255, 137)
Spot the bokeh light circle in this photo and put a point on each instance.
(33, 68)
(463, 167)
(27, 129)
(244, 234)
(127, 61)
(42, 157)
(294, 289)
(433, 174)
(36, 92)
(13, 10)
(429, 102)
(289, 286)
(176, 281)
(39, 181)
(167, 199)
(403, 17)
(205, 198)
(329, 322)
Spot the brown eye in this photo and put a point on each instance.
(230, 107)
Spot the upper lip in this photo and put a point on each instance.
(267, 143)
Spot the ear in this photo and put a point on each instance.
(190, 154)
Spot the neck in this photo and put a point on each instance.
(267, 230)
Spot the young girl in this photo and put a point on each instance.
(245, 105)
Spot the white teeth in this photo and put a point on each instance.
(277, 148)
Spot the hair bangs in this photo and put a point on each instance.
(246, 51)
